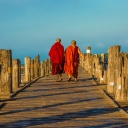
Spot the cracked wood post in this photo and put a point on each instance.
(22, 73)
(48, 65)
(27, 69)
(43, 68)
(96, 64)
(121, 88)
(19, 67)
(93, 67)
(103, 57)
(85, 64)
(15, 74)
(89, 63)
(100, 73)
(105, 76)
(112, 71)
(5, 73)
(36, 66)
(32, 69)
(46, 69)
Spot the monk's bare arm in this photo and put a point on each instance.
(80, 53)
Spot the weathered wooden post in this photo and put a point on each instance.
(105, 76)
(112, 71)
(121, 87)
(97, 62)
(90, 64)
(43, 68)
(84, 66)
(46, 67)
(19, 67)
(102, 57)
(22, 73)
(36, 66)
(15, 74)
(27, 69)
(32, 69)
(100, 76)
(5, 73)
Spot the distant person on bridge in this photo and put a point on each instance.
(72, 54)
(56, 54)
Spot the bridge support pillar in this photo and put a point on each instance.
(32, 69)
(43, 68)
(15, 74)
(5, 73)
(27, 69)
(36, 66)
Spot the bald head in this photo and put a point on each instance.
(73, 42)
(58, 40)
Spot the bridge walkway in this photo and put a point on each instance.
(47, 103)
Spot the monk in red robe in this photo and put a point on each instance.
(72, 54)
(56, 54)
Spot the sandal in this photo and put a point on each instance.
(69, 79)
(59, 80)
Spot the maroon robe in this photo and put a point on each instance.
(56, 54)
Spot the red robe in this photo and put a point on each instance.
(56, 54)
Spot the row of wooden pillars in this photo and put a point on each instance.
(13, 75)
(113, 72)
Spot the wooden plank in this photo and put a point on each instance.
(47, 103)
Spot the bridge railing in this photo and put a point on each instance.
(112, 71)
(13, 75)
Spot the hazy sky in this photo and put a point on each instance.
(30, 27)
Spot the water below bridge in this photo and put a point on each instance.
(50, 104)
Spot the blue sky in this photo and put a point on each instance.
(30, 27)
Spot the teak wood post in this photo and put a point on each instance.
(103, 57)
(100, 76)
(112, 72)
(97, 62)
(36, 66)
(19, 67)
(32, 69)
(124, 78)
(121, 88)
(85, 63)
(105, 76)
(48, 65)
(27, 69)
(5, 73)
(15, 74)
(43, 68)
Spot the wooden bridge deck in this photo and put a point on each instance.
(47, 103)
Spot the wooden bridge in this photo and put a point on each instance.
(46, 103)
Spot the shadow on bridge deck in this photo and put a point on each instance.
(47, 103)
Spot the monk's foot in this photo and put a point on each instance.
(69, 79)
(59, 80)
(76, 79)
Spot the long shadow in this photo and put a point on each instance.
(49, 106)
(109, 125)
(43, 90)
(45, 95)
(69, 116)
(54, 88)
